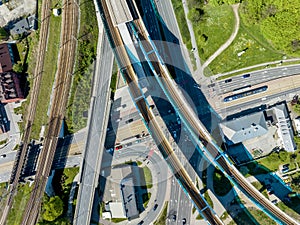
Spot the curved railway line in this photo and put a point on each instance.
(63, 83)
(202, 134)
(153, 125)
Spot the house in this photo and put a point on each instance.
(6, 58)
(10, 90)
(23, 25)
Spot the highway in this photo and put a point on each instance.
(256, 77)
(97, 125)
(151, 122)
(202, 136)
(277, 97)
(63, 80)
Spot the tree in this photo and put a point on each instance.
(3, 34)
(18, 67)
(53, 208)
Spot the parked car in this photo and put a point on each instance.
(174, 218)
(155, 206)
(119, 147)
(2, 156)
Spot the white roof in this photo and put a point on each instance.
(117, 210)
(119, 11)
(245, 128)
(297, 124)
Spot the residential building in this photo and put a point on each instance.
(6, 58)
(23, 25)
(10, 90)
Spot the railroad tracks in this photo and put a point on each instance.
(45, 20)
(153, 125)
(62, 87)
(202, 135)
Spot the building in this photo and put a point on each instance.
(297, 124)
(6, 58)
(254, 126)
(10, 90)
(244, 128)
(129, 199)
(23, 25)
(123, 200)
(279, 115)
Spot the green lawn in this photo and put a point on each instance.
(62, 182)
(20, 201)
(259, 186)
(79, 100)
(208, 199)
(50, 66)
(118, 220)
(163, 216)
(180, 17)
(258, 217)
(216, 28)
(257, 50)
(146, 197)
(221, 184)
(292, 208)
(275, 159)
(148, 177)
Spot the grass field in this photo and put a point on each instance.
(20, 201)
(221, 184)
(275, 159)
(163, 216)
(148, 177)
(255, 217)
(180, 17)
(79, 100)
(50, 66)
(259, 186)
(257, 50)
(216, 27)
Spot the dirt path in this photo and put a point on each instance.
(229, 41)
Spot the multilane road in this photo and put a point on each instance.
(188, 115)
(152, 124)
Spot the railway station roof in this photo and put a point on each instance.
(119, 11)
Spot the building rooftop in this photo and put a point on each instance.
(117, 210)
(23, 25)
(119, 11)
(244, 128)
(297, 124)
(6, 58)
(129, 199)
(285, 130)
(10, 90)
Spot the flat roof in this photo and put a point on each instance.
(119, 11)
(129, 200)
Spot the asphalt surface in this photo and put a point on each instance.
(257, 77)
(97, 126)
(159, 170)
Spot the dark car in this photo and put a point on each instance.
(184, 221)
(246, 75)
(228, 80)
(155, 206)
(140, 223)
(174, 218)
(129, 121)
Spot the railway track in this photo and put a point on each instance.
(154, 127)
(62, 87)
(45, 21)
(203, 135)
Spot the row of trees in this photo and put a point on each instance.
(279, 21)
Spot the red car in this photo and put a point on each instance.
(119, 147)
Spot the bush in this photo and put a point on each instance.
(53, 208)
